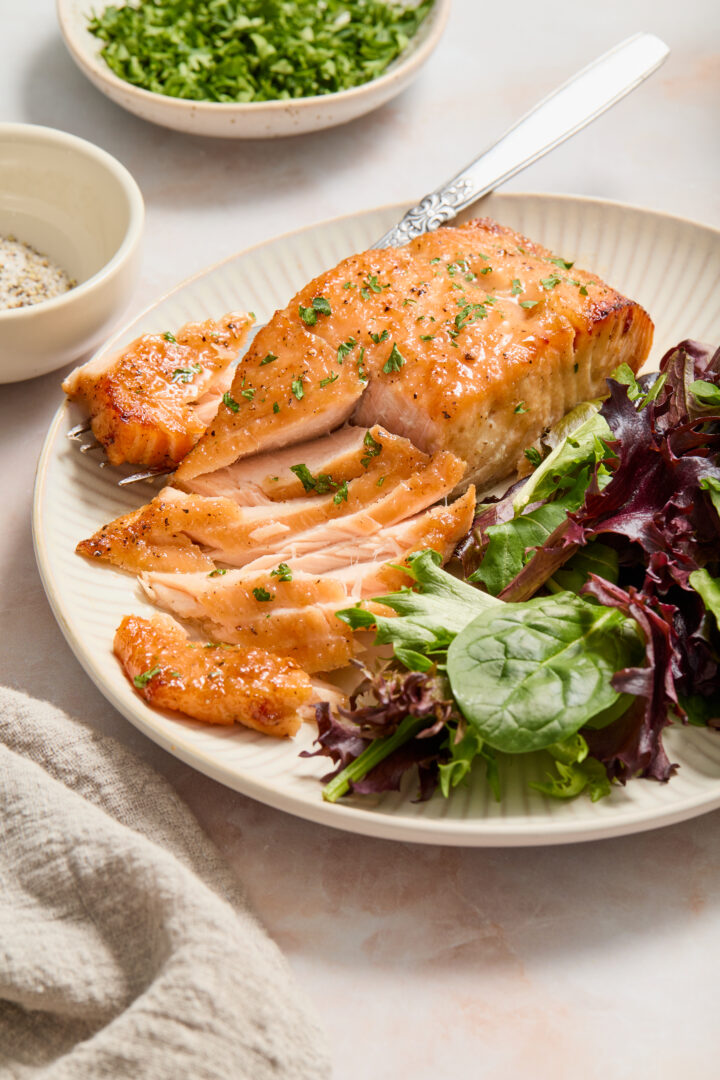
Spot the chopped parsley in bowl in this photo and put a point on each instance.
(246, 51)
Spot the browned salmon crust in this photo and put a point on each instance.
(471, 339)
(214, 683)
(150, 404)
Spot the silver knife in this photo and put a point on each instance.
(569, 109)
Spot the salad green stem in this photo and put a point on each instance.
(376, 752)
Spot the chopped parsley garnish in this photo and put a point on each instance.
(282, 572)
(371, 282)
(377, 338)
(171, 338)
(435, 260)
(230, 401)
(297, 389)
(528, 303)
(322, 305)
(521, 407)
(253, 51)
(320, 484)
(372, 449)
(276, 407)
(583, 291)
(329, 379)
(427, 337)
(309, 314)
(174, 674)
(248, 393)
(268, 359)
(394, 361)
(468, 313)
(516, 287)
(345, 348)
(217, 573)
(186, 375)
(304, 475)
(562, 263)
(365, 293)
(142, 680)
(341, 494)
(380, 482)
(550, 282)
(262, 594)
(486, 270)
(362, 374)
(349, 285)
(534, 456)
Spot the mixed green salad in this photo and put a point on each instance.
(254, 50)
(580, 618)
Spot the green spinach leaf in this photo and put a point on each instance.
(529, 675)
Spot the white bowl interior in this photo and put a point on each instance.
(66, 204)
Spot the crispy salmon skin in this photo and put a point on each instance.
(150, 403)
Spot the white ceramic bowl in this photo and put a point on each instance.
(79, 206)
(253, 120)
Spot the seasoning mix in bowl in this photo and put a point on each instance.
(27, 277)
(252, 68)
(71, 221)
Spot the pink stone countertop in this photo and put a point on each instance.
(588, 961)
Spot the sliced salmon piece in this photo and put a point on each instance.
(289, 387)
(214, 683)
(150, 538)
(473, 339)
(294, 618)
(372, 565)
(150, 403)
(343, 455)
(202, 529)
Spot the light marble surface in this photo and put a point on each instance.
(594, 961)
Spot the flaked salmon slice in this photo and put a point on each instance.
(214, 683)
(342, 455)
(291, 614)
(289, 387)
(473, 339)
(150, 403)
(150, 538)
(212, 530)
(372, 565)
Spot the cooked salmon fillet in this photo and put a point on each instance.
(150, 403)
(472, 339)
(288, 613)
(176, 529)
(214, 683)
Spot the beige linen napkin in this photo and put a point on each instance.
(126, 949)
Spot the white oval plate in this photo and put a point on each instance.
(252, 120)
(669, 265)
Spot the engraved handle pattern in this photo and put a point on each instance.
(433, 211)
(567, 110)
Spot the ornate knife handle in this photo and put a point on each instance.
(571, 107)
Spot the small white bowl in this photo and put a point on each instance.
(76, 204)
(252, 120)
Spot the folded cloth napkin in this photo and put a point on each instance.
(126, 949)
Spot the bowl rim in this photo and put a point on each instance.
(38, 133)
(407, 61)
